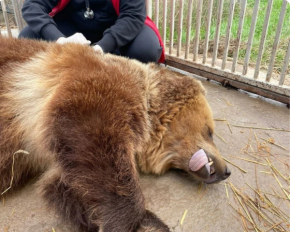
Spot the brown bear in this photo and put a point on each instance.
(88, 123)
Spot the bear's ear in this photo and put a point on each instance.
(202, 89)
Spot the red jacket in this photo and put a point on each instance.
(62, 4)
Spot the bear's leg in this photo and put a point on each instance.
(86, 204)
(95, 183)
(104, 188)
(60, 196)
(92, 196)
(151, 223)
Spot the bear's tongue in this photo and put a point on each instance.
(198, 160)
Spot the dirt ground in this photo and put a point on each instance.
(186, 205)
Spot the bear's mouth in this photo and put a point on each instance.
(212, 174)
(200, 160)
(212, 178)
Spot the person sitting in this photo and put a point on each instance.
(118, 26)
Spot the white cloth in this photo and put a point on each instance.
(77, 38)
(98, 49)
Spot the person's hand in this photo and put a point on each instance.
(98, 49)
(77, 38)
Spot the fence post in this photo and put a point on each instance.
(164, 22)
(285, 66)
(189, 20)
(239, 35)
(17, 5)
(6, 18)
(217, 32)
(172, 26)
(156, 13)
(149, 8)
(180, 27)
(251, 36)
(228, 33)
(198, 24)
(205, 49)
(276, 41)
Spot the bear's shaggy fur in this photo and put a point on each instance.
(89, 123)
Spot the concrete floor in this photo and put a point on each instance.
(170, 195)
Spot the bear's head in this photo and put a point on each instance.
(182, 130)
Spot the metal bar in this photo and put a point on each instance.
(198, 19)
(156, 12)
(251, 36)
(181, 3)
(205, 49)
(217, 32)
(277, 93)
(149, 8)
(164, 22)
(284, 90)
(228, 33)
(189, 20)
(6, 18)
(17, 14)
(263, 38)
(239, 35)
(285, 65)
(276, 41)
(172, 26)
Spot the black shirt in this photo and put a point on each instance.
(115, 31)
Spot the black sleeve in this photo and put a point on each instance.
(36, 14)
(128, 25)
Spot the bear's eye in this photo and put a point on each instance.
(207, 133)
(210, 133)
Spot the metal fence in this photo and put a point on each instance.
(16, 5)
(193, 55)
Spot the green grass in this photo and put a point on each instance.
(274, 18)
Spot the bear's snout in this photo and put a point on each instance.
(208, 168)
(221, 171)
(227, 173)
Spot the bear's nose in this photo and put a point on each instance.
(227, 173)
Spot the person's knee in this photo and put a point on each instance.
(28, 34)
(146, 54)
(145, 47)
